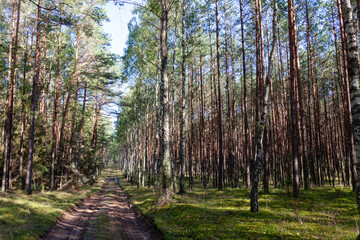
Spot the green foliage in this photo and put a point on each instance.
(83, 56)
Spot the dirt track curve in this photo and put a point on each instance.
(107, 214)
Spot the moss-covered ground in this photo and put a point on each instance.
(321, 213)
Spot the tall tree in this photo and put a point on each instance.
(182, 102)
(294, 75)
(261, 126)
(220, 143)
(8, 133)
(353, 71)
(246, 157)
(165, 158)
(33, 102)
(55, 111)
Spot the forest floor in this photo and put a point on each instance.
(107, 213)
(25, 216)
(320, 213)
(102, 211)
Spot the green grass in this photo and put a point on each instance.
(103, 226)
(321, 213)
(25, 216)
(100, 228)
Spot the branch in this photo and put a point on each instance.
(190, 52)
(153, 24)
(49, 9)
(154, 64)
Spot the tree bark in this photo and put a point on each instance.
(246, 138)
(165, 158)
(82, 123)
(294, 74)
(33, 103)
(261, 126)
(221, 156)
(55, 112)
(8, 131)
(97, 116)
(353, 71)
(182, 103)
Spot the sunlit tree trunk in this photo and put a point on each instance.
(353, 71)
(348, 116)
(165, 156)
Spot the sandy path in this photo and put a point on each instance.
(106, 215)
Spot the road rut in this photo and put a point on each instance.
(107, 214)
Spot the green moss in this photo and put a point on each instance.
(321, 213)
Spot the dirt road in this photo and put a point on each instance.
(106, 215)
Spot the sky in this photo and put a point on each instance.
(117, 28)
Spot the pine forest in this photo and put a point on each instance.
(231, 119)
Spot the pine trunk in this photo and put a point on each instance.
(33, 103)
(294, 71)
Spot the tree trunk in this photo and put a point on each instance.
(82, 123)
(353, 71)
(165, 158)
(246, 137)
(8, 131)
(294, 70)
(310, 77)
(182, 104)
(345, 94)
(261, 127)
(229, 140)
(33, 103)
(221, 156)
(67, 103)
(97, 116)
(25, 85)
(55, 113)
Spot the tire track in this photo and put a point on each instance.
(110, 202)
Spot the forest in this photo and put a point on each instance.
(57, 75)
(233, 110)
(238, 93)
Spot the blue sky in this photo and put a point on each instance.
(117, 27)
